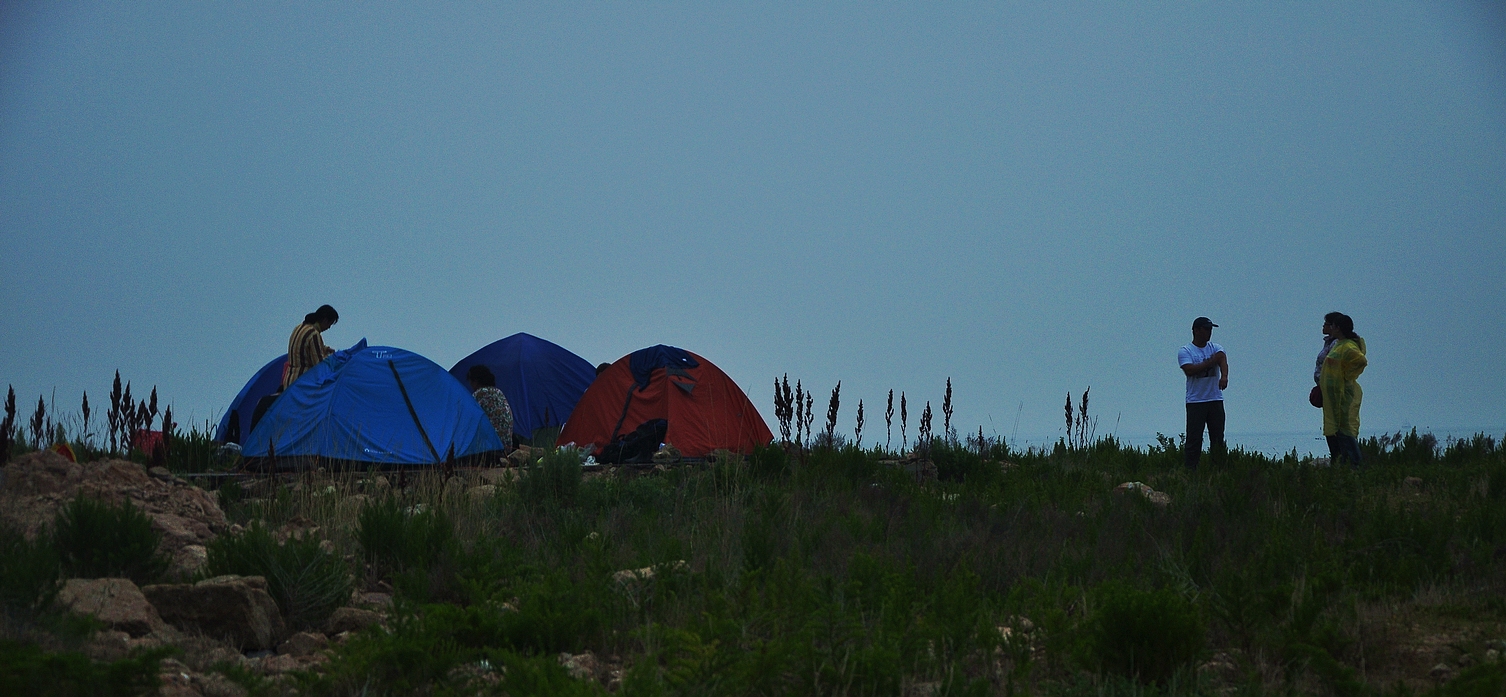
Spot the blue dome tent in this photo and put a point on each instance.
(265, 382)
(373, 405)
(542, 380)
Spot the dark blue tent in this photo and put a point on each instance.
(542, 381)
(265, 382)
(374, 404)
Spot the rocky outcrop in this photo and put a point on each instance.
(303, 644)
(236, 609)
(34, 486)
(350, 619)
(115, 601)
(1160, 498)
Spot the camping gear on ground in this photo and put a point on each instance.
(706, 411)
(542, 380)
(371, 406)
(236, 422)
(637, 447)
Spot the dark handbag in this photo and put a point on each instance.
(1316, 397)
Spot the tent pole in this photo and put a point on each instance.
(414, 413)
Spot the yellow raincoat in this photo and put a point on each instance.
(1341, 393)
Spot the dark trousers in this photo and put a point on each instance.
(1342, 447)
(1200, 415)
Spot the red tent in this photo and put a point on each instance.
(705, 409)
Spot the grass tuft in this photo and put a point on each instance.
(97, 540)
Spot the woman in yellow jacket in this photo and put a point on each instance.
(1342, 365)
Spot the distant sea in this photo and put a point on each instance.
(1278, 443)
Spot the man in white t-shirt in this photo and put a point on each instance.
(1207, 370)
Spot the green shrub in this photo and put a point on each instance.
(307, 582)
(545, 437)
(25, 669)
(97, 540)
(1484, 680)
(553, 615)
(29, 573)
(839, 467)
(417, 550)
(437, 649)
(231, 493)
(553, 480)
(393, 540)
(769, 462)
(1146, 635)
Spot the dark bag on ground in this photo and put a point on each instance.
(637, 447)
(1315, 397)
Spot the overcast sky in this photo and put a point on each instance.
(1026, 198)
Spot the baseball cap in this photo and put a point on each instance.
(1203, 322)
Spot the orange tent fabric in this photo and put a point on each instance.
(706, 410)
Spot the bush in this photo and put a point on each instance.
(97, 540)
(554, 479)
(29, 572)
(956, 463)
(394, 541)
(307, 582)
(769, 462)
(416, 550)
(25, 669)
(1145, 635)
(841, 468)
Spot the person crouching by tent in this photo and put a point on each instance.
(492, 401)
(306, 346)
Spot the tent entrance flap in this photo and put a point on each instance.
(414, 412)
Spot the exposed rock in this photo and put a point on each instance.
(160, 473)
(202, 653)
(1440, 671)
(217, 685)
(108, 645)
(520, 457)
(1492, 655)
(1159, 498)
(380, 601)
(174, 682)
(580, 667)
(494, 476)
(1412, 483)
(179, 531)
(37, 484)
(587, 666)
(188, 560)
(251, 581)
(303, 644)
(237, 609)
(627, 576)
(271, 665)
(349, 619)
(481, 493)
(115, 601)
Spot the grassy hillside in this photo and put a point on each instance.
(977, 570)
(836, 571)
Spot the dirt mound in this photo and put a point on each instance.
(34, 486)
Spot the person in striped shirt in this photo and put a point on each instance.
(306, 346)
